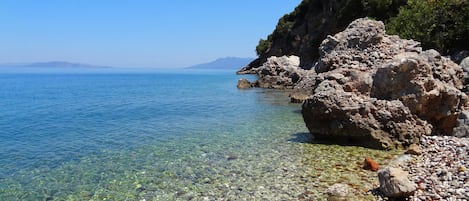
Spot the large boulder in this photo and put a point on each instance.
(379, 90)
(279, 72)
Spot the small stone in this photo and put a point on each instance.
(414, 149)
(370, 164)
(462, 169)
(393, 182)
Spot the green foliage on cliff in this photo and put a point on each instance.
(382, 9)
(263, 46)
(437, 24)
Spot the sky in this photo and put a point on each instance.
(135, 33)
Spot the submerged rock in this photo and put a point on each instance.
(370, 164)
(339, 192)
(381, 91)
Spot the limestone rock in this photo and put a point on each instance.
(302, 31)
(394, 182)
(279, 72)
(244, 83)
(333, 113)
(381, 91)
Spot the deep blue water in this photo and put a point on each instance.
(53, 123)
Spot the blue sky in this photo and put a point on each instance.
(135, 33)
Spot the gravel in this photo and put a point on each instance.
(442, 171)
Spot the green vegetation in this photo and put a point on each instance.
(437, 24)
(263, 46)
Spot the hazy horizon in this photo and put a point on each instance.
(147, 34)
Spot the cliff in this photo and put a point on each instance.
(301, 32)
(440, 25)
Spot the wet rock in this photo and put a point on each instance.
(370, 164)
(394, 182)
(414, 149)
(299, 97)
(244, 83)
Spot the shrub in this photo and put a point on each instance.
(262, 47)
(438, 24)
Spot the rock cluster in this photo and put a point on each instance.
(379, 90)
(279, 72)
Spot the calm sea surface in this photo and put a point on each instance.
(158, 135)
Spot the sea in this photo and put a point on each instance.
(149, 134)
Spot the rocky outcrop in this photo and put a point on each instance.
(244, 83)
(279, 73)
(302, 31)
(394, 182)
(379, 90)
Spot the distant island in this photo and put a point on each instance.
(53, 64)
(224, 63)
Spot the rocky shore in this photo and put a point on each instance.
(380, 91)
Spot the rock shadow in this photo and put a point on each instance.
(342, 141)
(302, 138)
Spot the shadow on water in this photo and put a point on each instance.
(297, 111)
(308, 138)
(302, 138)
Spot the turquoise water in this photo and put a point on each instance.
(159, 135)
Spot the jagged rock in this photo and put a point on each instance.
(334, 113)
(379, 90)
(279, 72)
(393, 182)
(462, 125)
(428, 84)
(244, 83)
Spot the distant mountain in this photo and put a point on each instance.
(224, 63)
(60, 64)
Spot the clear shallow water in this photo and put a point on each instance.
(161, 135)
